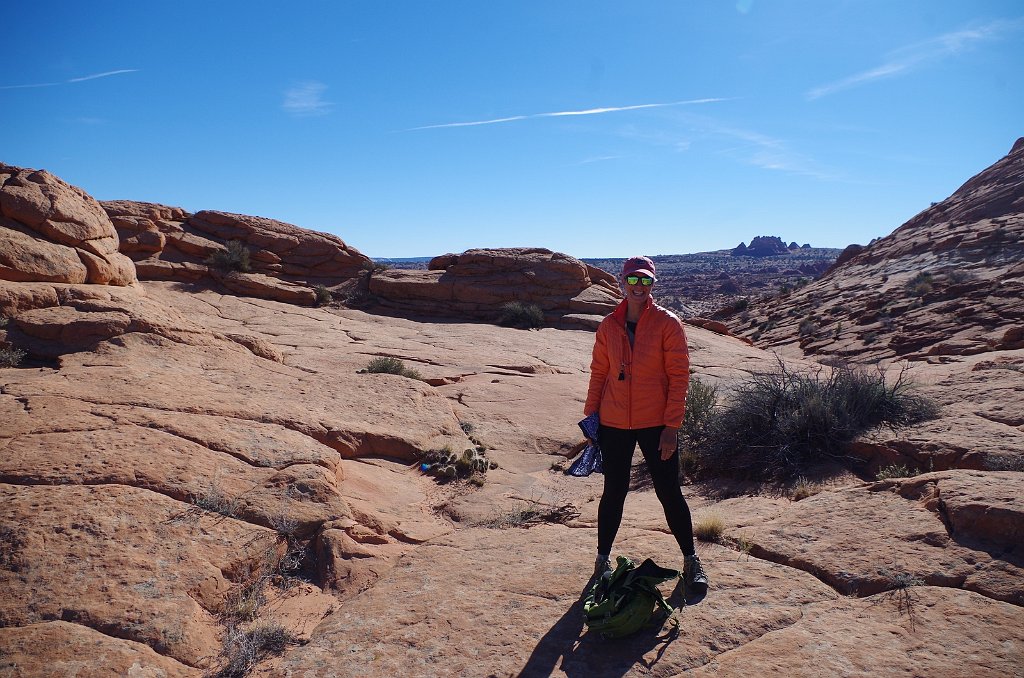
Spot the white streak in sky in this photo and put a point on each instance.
(94, 76)
(306, 99)
(906, 59)
(589, 111)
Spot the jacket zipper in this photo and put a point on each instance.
(628, 351)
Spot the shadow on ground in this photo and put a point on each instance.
(568, 646)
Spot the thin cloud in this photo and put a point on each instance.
(94, 76)
(558, 114)
(906, 59)
(306, 99)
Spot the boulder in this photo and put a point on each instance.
(478, 282)
(51, 231)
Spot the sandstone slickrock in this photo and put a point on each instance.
(948, 282)
(476, 283)
(54, 232)
(287, 262)
(179, 462)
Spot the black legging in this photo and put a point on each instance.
(617, 447)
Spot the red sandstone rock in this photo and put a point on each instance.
(51, 231)
(948, 282)
(477, 283)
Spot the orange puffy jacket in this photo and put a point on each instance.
(643, 385)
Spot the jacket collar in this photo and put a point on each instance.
(620, 311)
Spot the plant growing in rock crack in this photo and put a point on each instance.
(212, 498)
(895, 471)
(234, 257)
(899, 585)
(388, 365)
(244, 648)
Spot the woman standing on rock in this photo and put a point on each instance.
(639, 376)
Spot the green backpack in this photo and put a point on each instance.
(621, 602)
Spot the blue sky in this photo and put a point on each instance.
(594, 128)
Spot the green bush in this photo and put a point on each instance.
(518, 314)
(782, 423)
(323, 295)
(895, 471)
(234, 257)
(386, 365)
(700, 402)
(11, 356)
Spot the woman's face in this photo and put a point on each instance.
(637, 292)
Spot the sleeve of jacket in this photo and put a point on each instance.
(598, 372)
(677, 367)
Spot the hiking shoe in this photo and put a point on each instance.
(693, 573)
(602, 565)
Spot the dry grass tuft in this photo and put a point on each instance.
(709, 527)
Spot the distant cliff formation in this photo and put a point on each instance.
(765, 246)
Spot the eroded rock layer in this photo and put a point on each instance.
(948, 282)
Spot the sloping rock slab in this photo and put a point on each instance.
(130, 566)
(925, 631)
(58, 649)
(866, 539)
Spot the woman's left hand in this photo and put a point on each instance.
(667, 444)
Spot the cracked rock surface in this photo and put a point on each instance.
(145, 478)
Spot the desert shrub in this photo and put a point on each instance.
(920, 284)
(323, 295)
(244, 648)
(387, 365)
(782, 422)
(808, 327)
(709, 527)
(700, 403)
(958, 277)
(212, 498)
(532, 512)
(234, 257)
(11, 356)
(376, 266)
(895, 471)
(518, 314)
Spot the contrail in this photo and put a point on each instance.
(94, 76)
(589, 111)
